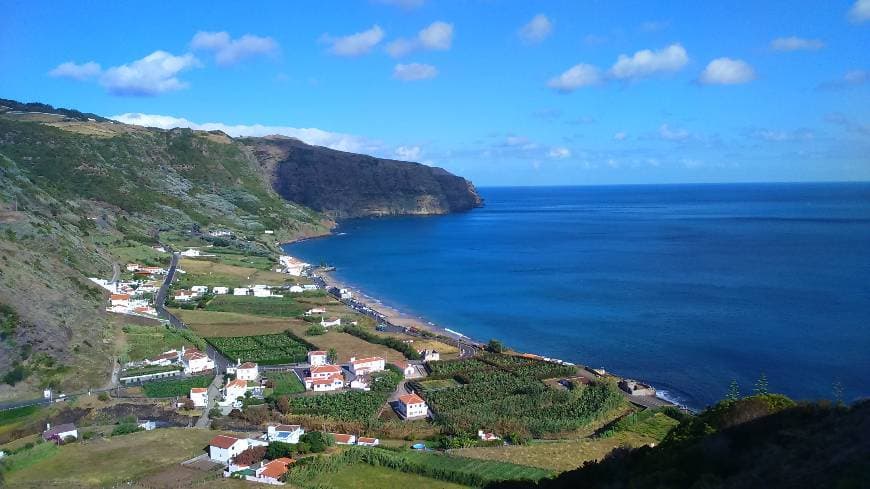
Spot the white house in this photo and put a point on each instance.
(324, 371)
(122, 300)
(333, 383)
(222, 448)
(430, 355)
(241, 291)
(60, 433)
(366, 365)
(367, 442)
(164, 359)
(153, 270)
(195, 361)
(220, 290)
(133, 267)
(183, 295)
(148, 425)
(262, 293)
(345, 294)
(316, 310)
(412, 406)
(199, 396)
(343, 439)
(200, 289)
(295, 289)
(317, 358)
(330, 322)
(287, 433)
(191, 252)
(409, 370)
(268, 231)
(247, 371)
(271, 472)
(235, 389)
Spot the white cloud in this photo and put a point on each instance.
(559, 153)
(151, 75)
(646, 62)
(654, 25)
(727, 71)
(408, 153)
(850, 79)
(581, 75)
(673, 134)
(75, 71)
(538, 29)
(354, 44)
(794, 43)
(310, 135)
(229, 51)
(438, 36)
(620, 136)
(773, 135)
(860, 11)
(414, 71)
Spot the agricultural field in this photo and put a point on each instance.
(436, 384)
(270, 349)
(285, 307)
(285, 383)
(209, 324)
(350, 405)
(491, 470)
(149, 341)
(141, 254)
(505, 394)
(14, 420)
(214, 273)
(105, 462)
(175, 388)
(239, 258)
(365, 476)
(346, 345)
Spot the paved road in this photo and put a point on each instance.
(116, 272)
(164, 289)
(213, 392)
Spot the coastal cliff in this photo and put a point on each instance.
(345, 185)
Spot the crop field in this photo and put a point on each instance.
(431, 385)
(269, 349)
(175, 388)
(489, 469)
(285, 307)
(349, 405)
(285, 383)
(208, 324)
(364, 476)
(505, 393)
(214, 273)
(236, 258)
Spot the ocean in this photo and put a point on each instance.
(683, 286)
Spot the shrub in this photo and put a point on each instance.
(103, 396)
(315, 330)
(126, 428)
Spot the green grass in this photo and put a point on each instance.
(174, 388)
(260, 306)
(149, 341)
(489, 469)
(649, 423)
(26, 458)
(364, 476)
(141, 254)
(285, 383)
(17, 414)
(269, 349)
(436, 384)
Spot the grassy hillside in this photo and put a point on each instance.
(78, 194)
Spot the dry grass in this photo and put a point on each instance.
(347, 346)
(206, 272)
(210, 324)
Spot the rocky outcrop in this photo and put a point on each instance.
(346, 185)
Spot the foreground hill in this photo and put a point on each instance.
(762, 441)
(345, 185)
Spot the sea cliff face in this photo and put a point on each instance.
(346, 185)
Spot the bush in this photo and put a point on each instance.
(315, 330)
(103, 396)
(126, 428)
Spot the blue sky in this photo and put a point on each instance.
(502, 92)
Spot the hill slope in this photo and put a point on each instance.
(346, 185)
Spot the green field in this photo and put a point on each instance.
(14, 415)
(175, 388)
(150, 341)
(364, 476)
(431, 385)
(285, 383)
(261, 306)
(491, 470)
(268, 349)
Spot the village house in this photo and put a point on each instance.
(345, 294)
(343, 439)
(195, 361)
(324, 378)
(191, 252)
(133, 267)
(262, 293)
(330, 322)
(367, 442)
(365, 366)
(60, 433)
(241, 291)
(164, 359)
(199, 396)
(271, 472)
(153, 270)
(409, 370)
(360, 382)
(412, 406)
(247, 371)
(183, 295)
(122, 300)
(222, 448)
(220, 290)
(317, 358)
(296, 289)
(316, 310)
(235, 389)
(430, 355)
(287, 433)
(200, 289)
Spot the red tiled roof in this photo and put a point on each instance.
(223, 441)
(247, 365)
(327, 381)
(411, 399)
(367, 360)
(341, 437)
(325, 369)
(317, 352)
(364, 439)
(237, 383)
(276, 468)
(120, 297)
(198, 390)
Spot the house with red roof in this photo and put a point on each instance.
(317, 358)
(412, 406)
(247, 371)
(368, 365)
(367, 442)
(195, 361)
(199, 396)
(343, 439)
(120, 300)
(272, 472)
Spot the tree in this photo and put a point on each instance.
(761, 385)
(733, 391)
(495, 346)
(331, 356)
(317, 441)
(278, 449)
(188, 404)
(315, 330)
(283, 405)
(250, 456)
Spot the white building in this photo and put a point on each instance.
(366, 365)
(235, 389)
(412, 406)
(367, 442)
(287, 433)
(183, 295)
(430, 355)
(148, 425)
(343, 439)
(191, 252)
(195, 361)
(199, 396)
(262, 293)
(324, 378)
(220, 290)
(122, 300)
(247, 371)
(316, 310)
(345, 294)
(222, 448)
(317, 358)
(330, 322)
(200, 289)
(296, 289)
(60, 432)
(241, 291)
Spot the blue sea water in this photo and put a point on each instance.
(684, 286)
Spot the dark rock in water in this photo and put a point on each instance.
(345, 185)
